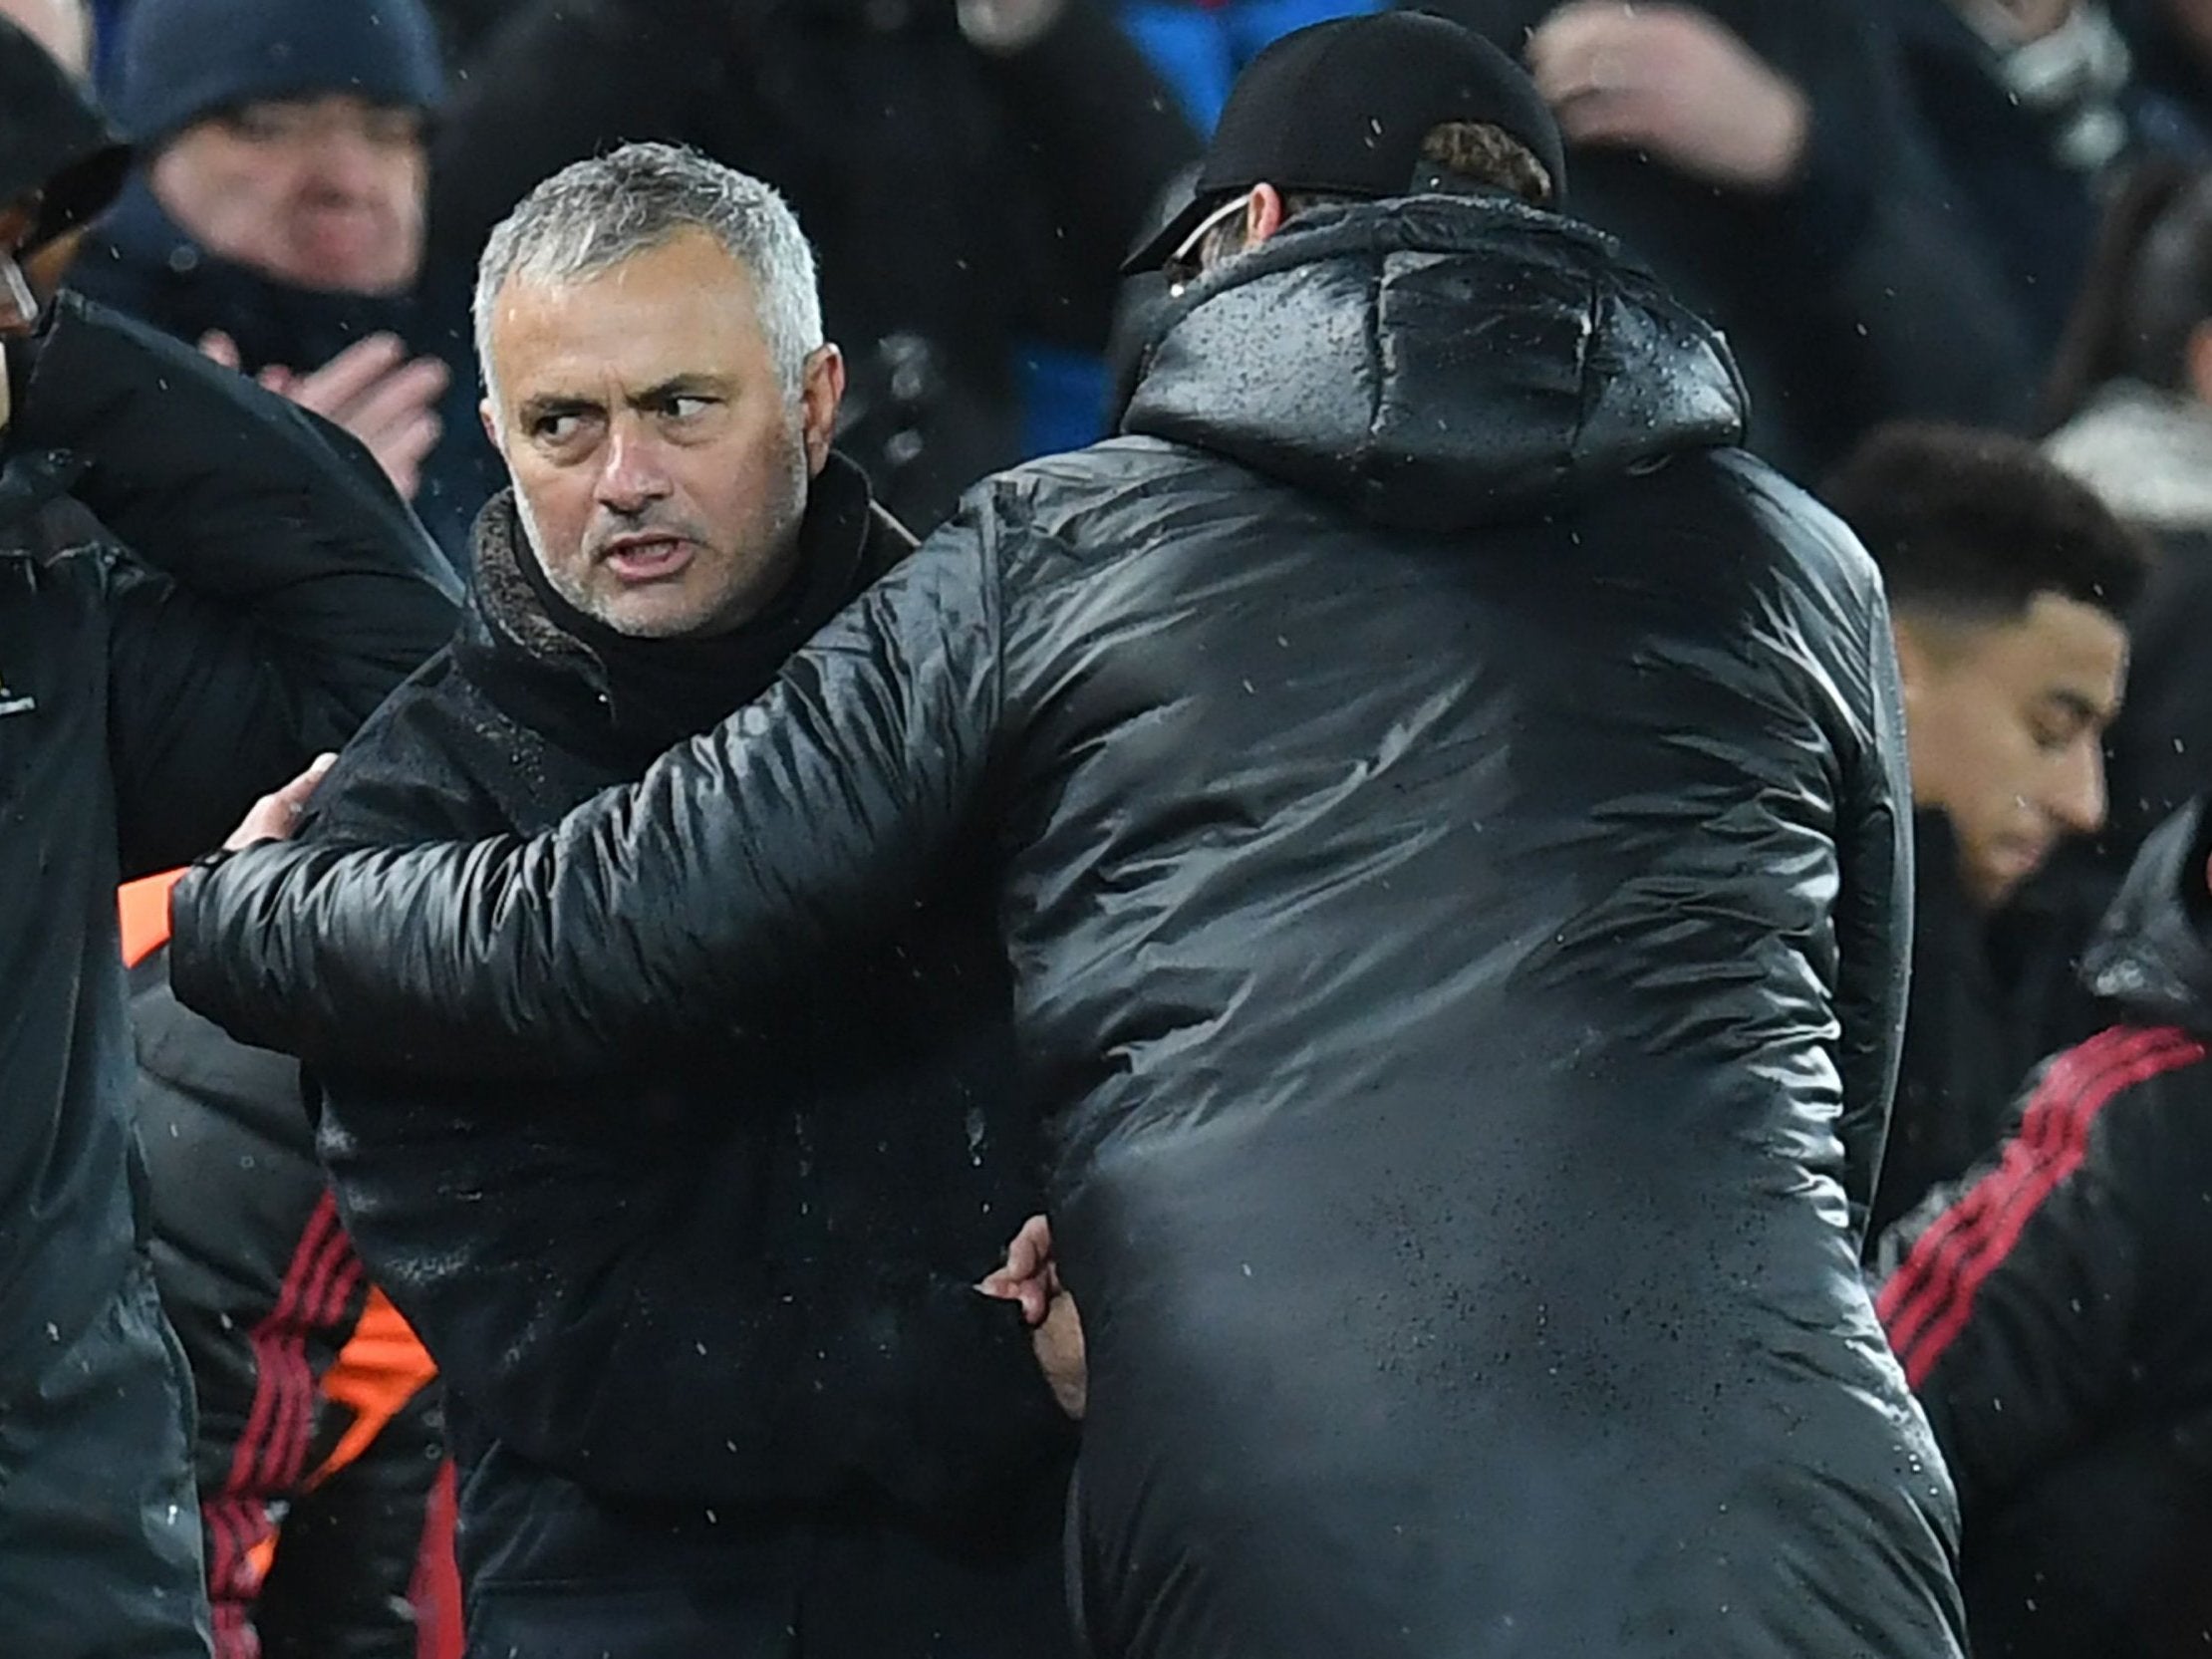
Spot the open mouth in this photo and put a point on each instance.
(647, 558)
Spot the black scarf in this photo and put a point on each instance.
(623, 701)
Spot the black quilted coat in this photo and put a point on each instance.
(1447, 808)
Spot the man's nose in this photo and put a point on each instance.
(632, 477)
(2077, 795)
(346, 162)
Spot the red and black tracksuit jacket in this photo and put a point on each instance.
(2054, 1312)
(318, 1439)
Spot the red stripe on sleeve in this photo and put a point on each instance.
(1927, 1303)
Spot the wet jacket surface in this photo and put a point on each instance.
(257, 591)
(717, 1373)
(2053, 1312)
(1448, 811)
(247, 592)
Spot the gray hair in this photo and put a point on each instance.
(593, 215)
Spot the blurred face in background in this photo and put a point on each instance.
(321, 193)
(2004, 721)
(63, 27)
(660, 463)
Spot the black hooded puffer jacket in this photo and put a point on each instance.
(1448, 806)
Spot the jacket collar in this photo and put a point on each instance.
(623, 701)
(2150, 954)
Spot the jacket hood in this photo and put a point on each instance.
(2150, 954)
(2147, 453)
(1438, 362)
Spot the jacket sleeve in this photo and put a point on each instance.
(2027, 1305)
(766, 1376)
(274, 588)
(1873, 924)
(668, 909)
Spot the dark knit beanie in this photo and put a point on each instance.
(186, 60)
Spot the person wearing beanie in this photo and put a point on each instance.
(278, 219)
(1447, 807)
(200, 587)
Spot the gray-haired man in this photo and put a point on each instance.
(718, 1380)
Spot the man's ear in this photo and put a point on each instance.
(822, 391)
(1262, 215)
(490, 417)
(1916, 659)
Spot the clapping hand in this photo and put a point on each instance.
(373, 389)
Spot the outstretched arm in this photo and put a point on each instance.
(652, 912)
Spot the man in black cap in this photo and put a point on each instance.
(1449, 818)
(263, 589)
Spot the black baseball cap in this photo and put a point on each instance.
(1342, 106)
(52, 141)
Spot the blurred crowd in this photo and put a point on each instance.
(1961, 251)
